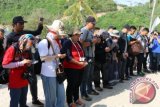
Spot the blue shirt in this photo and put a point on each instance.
(156, 46)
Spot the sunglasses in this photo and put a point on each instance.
(114, 38)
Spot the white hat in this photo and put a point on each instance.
(57, 26)
(115, 33)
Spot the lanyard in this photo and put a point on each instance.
(77, 48)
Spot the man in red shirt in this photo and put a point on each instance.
(16, 58)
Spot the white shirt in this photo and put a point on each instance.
(48, 67)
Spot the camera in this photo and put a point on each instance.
(27, 75)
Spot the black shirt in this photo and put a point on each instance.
(14, 37)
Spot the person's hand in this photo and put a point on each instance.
(61, 56)
(126, 55)
(107, 49)
(94, 40)
(83, 64)
(27, 61)
(86, 44)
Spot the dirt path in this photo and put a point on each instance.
(118, 97)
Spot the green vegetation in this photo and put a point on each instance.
(49, 9)
(139, 15)
(55, 9)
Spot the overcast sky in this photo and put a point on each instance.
(131, 2)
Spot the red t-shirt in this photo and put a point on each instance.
(75, 55)
(15, 74)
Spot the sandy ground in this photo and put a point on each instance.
(118, 97)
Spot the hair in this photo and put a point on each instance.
(146, 29)
(96, 28)
(2, 30)
(133, 27)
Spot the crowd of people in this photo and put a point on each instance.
(93, 59)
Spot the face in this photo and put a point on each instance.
(28, 45)
(124, 30)
(114, 39)
(19, 26)
(110, 30)
(132, 31)
(76, 37)
(144, 33)
(91, 25)
(56, 36)
(1, 35)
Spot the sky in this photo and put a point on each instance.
(131, 2)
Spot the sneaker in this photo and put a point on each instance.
(87, 98)
(147, 71)
(121, 81)
(37, 102)
(132, 75)
(93, 92)
(80, 103)
(98, 88)
(127, 79)
(141, 74)
(107, 87)
(72, 105)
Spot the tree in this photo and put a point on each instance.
(77, 13)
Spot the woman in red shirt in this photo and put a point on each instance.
(16, 58)
(74, 66)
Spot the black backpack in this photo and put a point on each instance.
(4, 76)
(4, 72)
(37, 66)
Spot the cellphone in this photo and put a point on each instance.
(41, 19)
(35, 62)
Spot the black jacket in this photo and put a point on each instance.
(122, 43)
(14, 37)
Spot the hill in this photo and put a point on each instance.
(46, 8)
(138, 15)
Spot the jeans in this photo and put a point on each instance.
(74, 79)
(155, 61)
(18, 96)
(53, 91)
(140, 58)
(86, 84)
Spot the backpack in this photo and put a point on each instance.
(4, 72)
(37, 66)
(4, 76)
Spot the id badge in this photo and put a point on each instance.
(82, 59)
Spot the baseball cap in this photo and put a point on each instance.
(115, 33)
(91, 19)
(18, 19)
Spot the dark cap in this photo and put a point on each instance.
(126, 26)
(18, 19)
(91, 19)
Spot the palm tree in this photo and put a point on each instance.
(77, 13)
